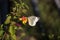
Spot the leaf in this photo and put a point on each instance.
(24, 10)
(26, 6)
(14, 37)
(8, 20)
(1, 27)
(23, 3)
(1, 32)
(11, 30)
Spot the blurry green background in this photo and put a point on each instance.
(48, 17)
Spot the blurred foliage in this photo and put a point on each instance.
(49, 13)
(19, 31)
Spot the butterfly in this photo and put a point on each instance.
(32, 20)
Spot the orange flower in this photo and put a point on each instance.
(23, 19)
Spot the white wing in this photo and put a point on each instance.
(32, 20)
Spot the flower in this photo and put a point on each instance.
(23, 19)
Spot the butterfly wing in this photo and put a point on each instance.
(32, 20)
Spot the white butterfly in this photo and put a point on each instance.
(32, 20)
